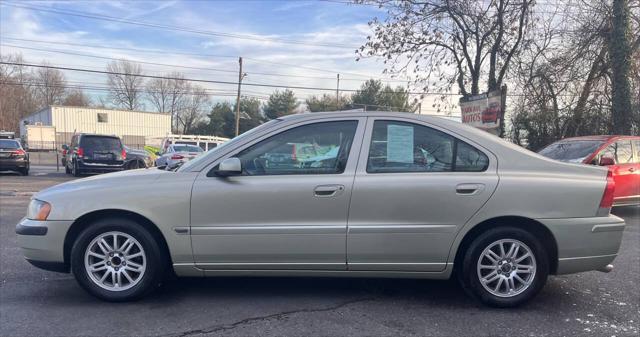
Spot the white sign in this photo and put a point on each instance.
(482, 111)
(399, 144)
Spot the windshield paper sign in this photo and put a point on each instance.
(482, 111)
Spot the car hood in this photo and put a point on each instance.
(102, 182)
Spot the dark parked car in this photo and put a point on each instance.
(13, 157)
(137, 159)
(91, 153)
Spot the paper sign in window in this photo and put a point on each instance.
(399, 143)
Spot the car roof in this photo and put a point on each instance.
(437, 119)
(97, 135)
(599, 137)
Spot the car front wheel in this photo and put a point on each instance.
(116, 259)
(504, 267)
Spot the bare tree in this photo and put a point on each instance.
(76, 97)
(50, 86)
(125, 84)
(16, 92)
(196, 106)
(169, 95)
(565, 76)
(442, 42)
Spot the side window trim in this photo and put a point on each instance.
(368, 141)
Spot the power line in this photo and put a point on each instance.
(95, 16)
(208, 81)
(164, 52)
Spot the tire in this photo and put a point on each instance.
(478, 254)
(144, 272)
(75, 171)
(24, 171)
(67, 170)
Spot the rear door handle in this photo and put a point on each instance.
(469, 189)
(326, 191)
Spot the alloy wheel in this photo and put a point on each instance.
(115, 261)
(506, 268)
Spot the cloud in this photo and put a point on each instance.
(261, 55)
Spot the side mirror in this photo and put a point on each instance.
(158, 153)
(606, 161)
(229, 167)
(65, 147)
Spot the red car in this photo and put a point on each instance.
(620, 153)
(490, 115)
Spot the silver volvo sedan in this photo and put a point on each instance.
(334, 194)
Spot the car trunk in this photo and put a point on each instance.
(102, 150)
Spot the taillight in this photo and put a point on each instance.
(124, 154)
(19, 152)
(64, 152)
(607, 197)
(80, 152)
(176, 157)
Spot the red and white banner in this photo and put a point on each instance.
(482, 111)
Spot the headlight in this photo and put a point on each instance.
(38, 210)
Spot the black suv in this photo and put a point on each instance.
(90, 153)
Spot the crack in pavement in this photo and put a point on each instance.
(231, 326)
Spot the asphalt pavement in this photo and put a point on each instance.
(39, 303)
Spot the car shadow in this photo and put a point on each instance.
(626, 211)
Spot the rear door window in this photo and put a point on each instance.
(625, 152)
(408, 147)
(619, 151)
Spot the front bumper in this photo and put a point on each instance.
(586, 244)
(42, 242)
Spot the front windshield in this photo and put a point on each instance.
(576, 150)
(214, 153)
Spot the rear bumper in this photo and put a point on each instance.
(586, 243)
(42, 242)
(100, 168)
(13, 164)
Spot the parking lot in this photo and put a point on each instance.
(36, 302)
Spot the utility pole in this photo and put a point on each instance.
(338, 93)
(240, 77)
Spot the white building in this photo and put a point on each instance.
(133, 127)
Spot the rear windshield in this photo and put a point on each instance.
(97, 143)
(187, 148)
(9, 144)
(576, 150)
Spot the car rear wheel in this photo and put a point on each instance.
(116, 259)
(504, 267)
(24, 171)
(75, 170)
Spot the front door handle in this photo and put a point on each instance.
(631, 169)
(325, 191)
(469, 189)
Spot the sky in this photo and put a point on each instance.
(289, 43)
